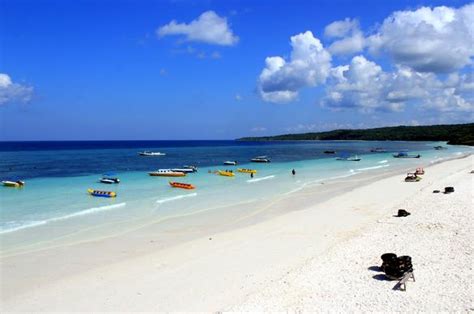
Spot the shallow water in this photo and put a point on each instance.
(54, 204)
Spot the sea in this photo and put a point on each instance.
(54, 203)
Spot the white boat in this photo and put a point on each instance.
(230, 163)
(349, 158)
(166, 173)
(151, 154)
(185, 170)
(260, 159)
(16, 184)
(193, 168)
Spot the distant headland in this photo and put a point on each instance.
(454, 134)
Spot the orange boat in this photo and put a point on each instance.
(182, 185)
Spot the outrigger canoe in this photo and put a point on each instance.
(101, 193)
(247, 170)
(226, 173)
(182, 185)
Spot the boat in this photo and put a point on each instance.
(247, 170)
(329, 151)
(378, 150)
(166, 173)
(151, 154)
(184, 170)
(110, 178)
(260, 159)
(405, 155)
(13, 183)
(226, 173)
(182, 185)
(440, 147)
(412, 177)
(349, 158)
(99, 193)
(419, 171)
(230, 163)
(194, 168)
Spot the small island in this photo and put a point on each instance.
(454, 134)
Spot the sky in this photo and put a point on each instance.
(176, 69)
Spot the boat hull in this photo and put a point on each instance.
(180, 185)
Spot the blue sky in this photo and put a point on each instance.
(122, 70)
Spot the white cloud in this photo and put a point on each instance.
(208, 28)
(351, 37)
(364, 86)
(309, 65)
(340, 29)
(435, 40)
(258, 129)
(11, 92)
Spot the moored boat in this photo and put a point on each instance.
(194, 168)
(225, 173)
(109, 178)
(151, 154)
(405, 155)
(230, 163)
(166, 173)
(439, 147)
(349, 158)
(329, 151)
(260, 159)
(99, 193)
(181, 185)
(247, 170)
(13, 183)
(378, 150)
(184, 170)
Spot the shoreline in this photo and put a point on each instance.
(203, 248)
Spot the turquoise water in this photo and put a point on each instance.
(58, 205)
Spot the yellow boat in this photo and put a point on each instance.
(226, 173)
(101, 193)
(247, 170)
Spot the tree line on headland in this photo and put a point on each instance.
(454, 134)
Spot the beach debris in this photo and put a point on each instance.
(402, 213)
(448, 189)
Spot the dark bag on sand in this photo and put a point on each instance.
(402, 213)
(448, 189)
(395, 267)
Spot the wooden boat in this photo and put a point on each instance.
(419, 171)
(225, 173)
(412, 177)
(166, 173)
(13, 184)
(247, 170)
(260, 159)
(151, 154)
(180, 185)
(101, 193)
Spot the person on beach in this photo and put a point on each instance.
(251, 174)
(293, 172)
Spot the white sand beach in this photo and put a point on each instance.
(313, 259)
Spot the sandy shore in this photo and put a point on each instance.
(311, 259)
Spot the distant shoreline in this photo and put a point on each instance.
(453, 134)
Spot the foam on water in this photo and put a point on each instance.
(19, 225)
(175, 198)
(383, 161)
(373, 168)
(260, 179)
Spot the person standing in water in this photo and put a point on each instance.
(293, 172)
